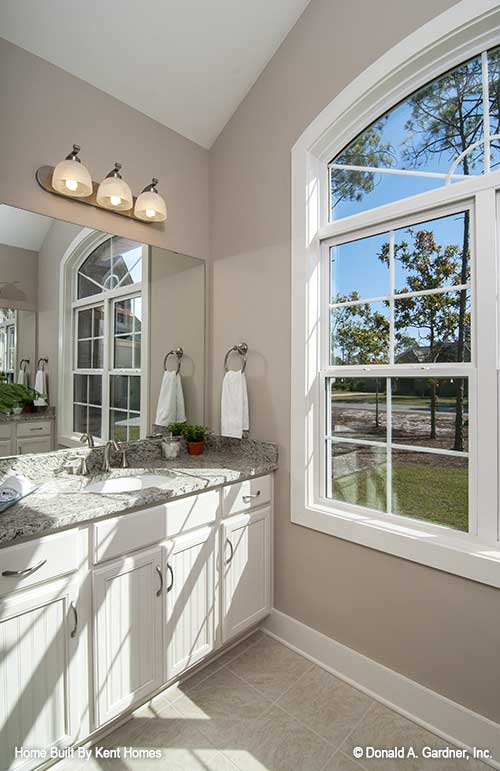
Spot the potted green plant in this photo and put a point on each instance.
(195, 438)
(13, 394)
(176, 429)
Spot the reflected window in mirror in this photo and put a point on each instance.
(8, 344)
(108, 340)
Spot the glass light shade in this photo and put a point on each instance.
(150, 207)
(114, 193)
(72, 178)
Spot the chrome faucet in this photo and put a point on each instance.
(106, 463)
(113, 444)
(89, 439)
(84, 470)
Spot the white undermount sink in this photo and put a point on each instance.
(127, 484)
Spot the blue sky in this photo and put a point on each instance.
(355, 265)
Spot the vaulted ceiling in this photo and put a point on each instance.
(186, 63)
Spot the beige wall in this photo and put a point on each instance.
(178, 319)
(19, 267)
(58, 238)
(44, 110)
(438, 629)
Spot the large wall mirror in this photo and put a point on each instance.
(92, 321)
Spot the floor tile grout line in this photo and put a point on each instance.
(294, 684)
(304, 725)
(355, 728)
(272, 702)
(329, 758)
(211, 674)
(276, 703)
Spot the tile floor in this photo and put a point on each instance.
(262, 707)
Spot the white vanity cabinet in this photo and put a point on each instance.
(127, 598)
(20, 437)
(96, 619)
(246, 565)
(43, 651)
(191, 617)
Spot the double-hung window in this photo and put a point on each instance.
(395, 392)
(397, 382)
(108, 341)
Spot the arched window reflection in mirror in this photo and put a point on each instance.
(107, 308)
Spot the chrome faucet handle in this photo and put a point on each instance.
(84, 469)
(106, 462)
(123, 450)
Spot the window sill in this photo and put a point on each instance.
(462, 555)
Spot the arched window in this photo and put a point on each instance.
(107, 339)
(441, 133)
(395, 337)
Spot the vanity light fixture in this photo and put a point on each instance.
(70, 176)
(150, 206)
(71, 179)
(113, 192)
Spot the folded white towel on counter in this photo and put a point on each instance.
(41, 387)
(13, 488)
(234, 404)
(171, 400)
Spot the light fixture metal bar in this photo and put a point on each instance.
(44, 178)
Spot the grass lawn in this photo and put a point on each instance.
(431, 492)
(368, 397)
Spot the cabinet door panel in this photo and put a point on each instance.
(5, 448)
(28, 446)
(192, 607)
(246, 571)
(39, 697)
(127, 606)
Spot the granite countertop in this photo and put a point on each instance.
(27, 416)
(60, 501)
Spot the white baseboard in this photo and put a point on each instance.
(451, 721)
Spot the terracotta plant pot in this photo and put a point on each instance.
(195, 448)
(28, 408)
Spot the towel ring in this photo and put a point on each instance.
(242, 349)
(44, 361)
(23, 364)
(174, 352)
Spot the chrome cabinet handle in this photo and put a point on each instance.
(171, 584)
(26, 571)
(40, 428)
(230, 558)
(249, 497)
(160, 590)
(75, 612)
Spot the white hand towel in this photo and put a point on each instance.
(22, 377)
(171, 400)
(13, 488)
(41, 387)
(234, 404)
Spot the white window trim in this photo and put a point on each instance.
(87, 240)
(467, 29)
